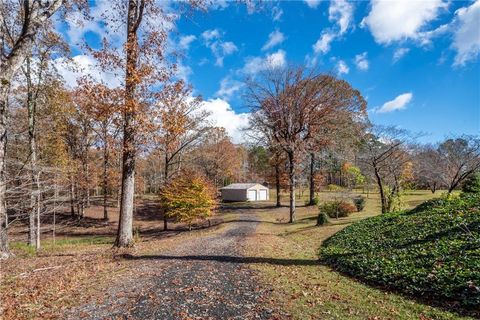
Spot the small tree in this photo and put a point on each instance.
(188, 197)
(472, 183)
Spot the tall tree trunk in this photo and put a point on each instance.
(165, 181)
(277, 184)
(72, 195)
(4, 250)
(125, 232)
(291, 175)
(312, 180)
(105, 177)
(383, 199)
(33, 225)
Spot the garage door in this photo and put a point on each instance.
(262, 194)
(252, 195)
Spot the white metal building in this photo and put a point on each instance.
(244, 192)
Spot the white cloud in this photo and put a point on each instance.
(83, 65)
(277, 13)
(274, 38)
(341, 11)
(277, 59)
(399, 53)
(312, 3)
(400, 20)
(361, 61)
(209, 35)
(185, 41)
(183, 71)
(222, 115)
(323, 44)
(257, 64)
(220, 49)
(228, 87)
(342, 67)
(466, 39)
(399, 103)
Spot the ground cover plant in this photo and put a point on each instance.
(432, 251)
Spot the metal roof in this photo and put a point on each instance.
(241, 186)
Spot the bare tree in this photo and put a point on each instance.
(460, 157)
(17, 34)
(428, 168)
(384, 155)
(293, 105)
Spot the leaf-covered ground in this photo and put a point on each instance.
(204, 278)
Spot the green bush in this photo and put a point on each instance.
(472, 184)
(337, 209)
(316, 201)
(322, 219)
(359, 203)
(431, 251)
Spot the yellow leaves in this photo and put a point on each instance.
(188, 197)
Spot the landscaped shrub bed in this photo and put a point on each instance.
(337, 208)
(432, 251)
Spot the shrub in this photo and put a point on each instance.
(316, 201)
(321, 219)
(337, 209)
(334, 187)
(472, 184)
(432, 251)
(359, 203)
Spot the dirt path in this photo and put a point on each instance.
(204, 278)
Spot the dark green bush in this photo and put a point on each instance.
(359, 203)
(432, 251)
(316, 201)
(472, 184)
(337, 209)
(321, 219)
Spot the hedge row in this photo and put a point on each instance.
(431, 251)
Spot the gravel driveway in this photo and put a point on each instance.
(204, 278)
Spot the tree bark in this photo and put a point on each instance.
(105, 176)
(291, 174)
(165, 181)
(125, 232)
(34, 214)
(4, 250)
(312, 180)
(382, 193)
(277, 184)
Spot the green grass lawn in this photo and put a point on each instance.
(308, 290)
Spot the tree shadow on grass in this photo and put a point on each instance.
(226, 259)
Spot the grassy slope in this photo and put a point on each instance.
(431, 251)
(307, 290)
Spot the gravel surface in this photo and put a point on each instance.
(203, 278)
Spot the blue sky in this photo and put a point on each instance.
(417, 63)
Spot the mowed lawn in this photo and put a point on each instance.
(306, 290)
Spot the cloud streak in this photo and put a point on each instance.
(399, 103)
